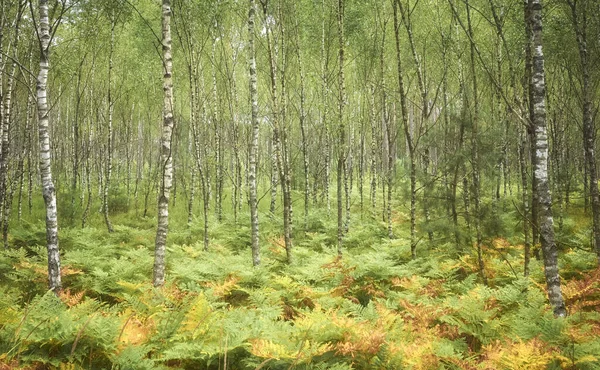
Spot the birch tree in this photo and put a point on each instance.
(540, 174)
(48, 190)
(166, 157)
(253, 136)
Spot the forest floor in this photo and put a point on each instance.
(374, 308)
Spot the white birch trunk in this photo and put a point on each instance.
(48, 190)
(166, 157)
(254, 137)
(540, 173)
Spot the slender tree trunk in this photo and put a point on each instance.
(192, 195)
(361, 166)
(389, 176)
(5, 199)
(373, 168)
(325, 113)
(341, 129)
(279, 143)
(218, 140)
(194, 114)
(109, 143)
(87, 161)
(475, 148)
(166, 157)
(254, 137)
(2, 63)
(76, 138)
(540, 173)
(525, 199)
(303, 129)
(274, 173)
(48, 190)
(26, 150)
(535, 228)
(29, 137)
(580, 23)
(409, 138)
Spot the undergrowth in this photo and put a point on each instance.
(374, 308)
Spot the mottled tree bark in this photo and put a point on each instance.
(166, 157)
(540, 173)
(48, 190)
(5, 198)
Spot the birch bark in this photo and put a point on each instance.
(48, 190)
(540, 175)
(166, 158)
(254, 137)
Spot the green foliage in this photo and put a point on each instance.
(372, 308)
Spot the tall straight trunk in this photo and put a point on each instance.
(237, 178)
(558, 139)
(204, 179)
(5, 199)
(26, 150)
(274, 172)
(409, 138)
(452, 167)
(424, 106)
(194, 114)
(232, 103)
(166, 157)
(525, 200)
(325, 113)
(348, 179)
(389, 175)
(109, 143)
(385, 119)
(475, 147)
(2, 62)
(128, 153)
(192, 196)
(76, 137)
(373, 167)
(303, 129)
(361, 165)
(218, 139)
(580, 25)
(194, 146)
(341, 129)
(48, 190)
(191, 137)
(427, 192)
(87, 160)
(30, 137)
(279, 144)
(253, 137)
(139, 173)
(540, 173)
(535, 228)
